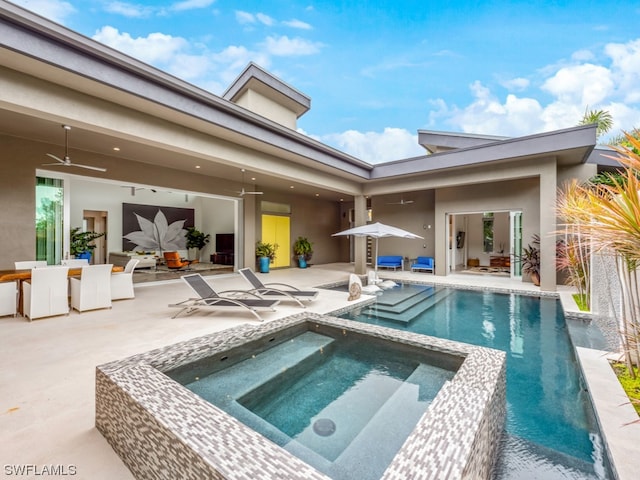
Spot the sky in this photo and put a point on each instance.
(379, 71)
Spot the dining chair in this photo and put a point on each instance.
(47, 292)
(75, 262)
(26, 264)
(122, 282)
(8, 298)
(93, 289)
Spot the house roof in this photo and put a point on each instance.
(254, 77)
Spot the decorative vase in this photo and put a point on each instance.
(535, 278)
(264, 264)
(302, 262)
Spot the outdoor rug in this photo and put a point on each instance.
(501, 271)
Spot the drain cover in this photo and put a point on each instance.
(324, 427)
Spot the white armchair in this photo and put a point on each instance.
(8, 298)
(122, 282)
(47, 293)
(93, 289)
(26, 264)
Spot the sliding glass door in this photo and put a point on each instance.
(49, 219)
(516, 243)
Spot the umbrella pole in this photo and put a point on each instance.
(375, 270)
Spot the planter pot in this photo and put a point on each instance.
(86, 255)
(264, 264)
(302, 261)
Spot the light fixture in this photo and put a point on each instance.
(116, 149)
(197, 166)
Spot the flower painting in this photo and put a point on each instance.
(163, 230)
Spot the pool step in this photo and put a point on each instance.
(387, 427)
(407, 312)
(244, 377)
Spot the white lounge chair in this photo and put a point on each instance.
(271, 290)
(8, 298)
(209, 299)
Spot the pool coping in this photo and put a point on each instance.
(137, 408)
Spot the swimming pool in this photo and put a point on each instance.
(551, 430)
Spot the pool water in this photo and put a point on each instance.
(342, 403)
(551, 431)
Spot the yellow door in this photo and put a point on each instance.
(275, 229)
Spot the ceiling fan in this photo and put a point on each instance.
(244, 192)
(401, 202)
(66, 161)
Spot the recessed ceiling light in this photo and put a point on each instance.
(317, 194)
(253, 179)
(292, 186)
(197, 166)
(116, 149)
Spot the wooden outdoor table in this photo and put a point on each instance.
(10, 275)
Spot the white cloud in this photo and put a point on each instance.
(154, 48)
(128, 9)
(191, 4)
(626, 67)
(516, 83)
(55, 10)
(244, 18)
(377, 147)
(571, 88)
(285, 46)
(265, 19)
(585, 84)
(295, 23)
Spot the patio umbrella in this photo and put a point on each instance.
(377, 230)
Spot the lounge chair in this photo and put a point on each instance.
(209, 299)
(267, 290)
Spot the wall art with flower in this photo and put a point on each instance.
(154, 228)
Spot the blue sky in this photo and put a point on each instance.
(377, 72)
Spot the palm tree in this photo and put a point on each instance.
(602, 118)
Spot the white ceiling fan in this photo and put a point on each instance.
(244, 192)
(401, 202)
(66, 161)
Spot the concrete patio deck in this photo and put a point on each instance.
(48, 366)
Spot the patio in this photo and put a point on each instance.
(47, 380)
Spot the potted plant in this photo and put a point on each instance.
(196, 240)
(265, 252)
(81, 246)
(530, 259)
(303, 250)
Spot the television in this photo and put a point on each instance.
(225, 243)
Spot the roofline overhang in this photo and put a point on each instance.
(41, 40)
(542, 144)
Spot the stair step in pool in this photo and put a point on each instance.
(409, 314)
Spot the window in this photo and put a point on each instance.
(487, 232)
(49, 216)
